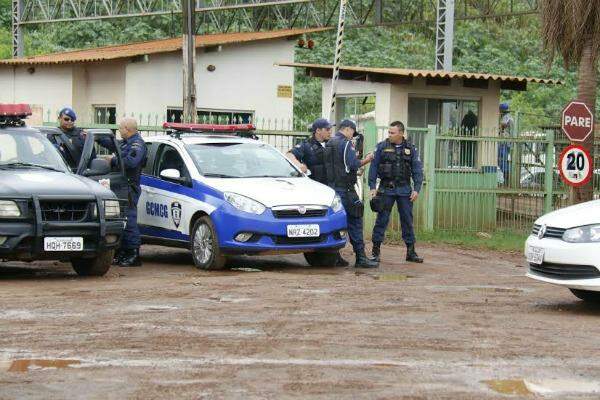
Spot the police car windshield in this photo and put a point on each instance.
(240, 160)
(28, 149)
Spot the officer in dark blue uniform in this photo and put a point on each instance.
(396, 162)
(310, 155)
(341, 167)
(74, 135)
(134, 154)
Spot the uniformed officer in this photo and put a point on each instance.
(396, 162)
(341, 167)
(76, 136)
(133, 152)
(310, 155)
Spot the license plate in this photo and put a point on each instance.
(311, 230)
(535, 255)
(63, 244)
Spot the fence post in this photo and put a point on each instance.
(549, 183)
(370, 141)
(429, 156)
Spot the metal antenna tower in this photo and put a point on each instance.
(444, 35)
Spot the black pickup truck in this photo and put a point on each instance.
(48, 212)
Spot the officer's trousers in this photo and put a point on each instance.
(355, 223)
(405, 207)
(131, 235)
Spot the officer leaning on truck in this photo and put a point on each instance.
(134, 153)
(396, 162)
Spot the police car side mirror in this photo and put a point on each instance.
(173, 175)
(98, 166)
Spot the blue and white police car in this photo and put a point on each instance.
(206, 188)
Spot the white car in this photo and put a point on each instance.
(564, 249)
(220, 195)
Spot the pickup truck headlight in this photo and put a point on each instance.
(244, 203)
(112, 209)
(9, 209)
(582, 234)
(336, 205)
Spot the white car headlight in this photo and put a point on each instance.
(112, 209)
(9, 209)
(244, 203)
(582, 234)
(336, 205)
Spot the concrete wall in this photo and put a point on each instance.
(50, 86)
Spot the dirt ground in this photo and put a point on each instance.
(464, 325)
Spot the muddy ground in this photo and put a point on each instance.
(464, 325)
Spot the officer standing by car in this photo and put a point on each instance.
(134, 154)
(75, 136)
(396, 162)
(341, 167)
(310, 155)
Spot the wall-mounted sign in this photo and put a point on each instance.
(284, 91)
(575, 165)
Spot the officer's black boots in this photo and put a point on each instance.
(362, 261)
(411, 254)
(341, 262)
(376, 252)
(117, 258)
(131, 258)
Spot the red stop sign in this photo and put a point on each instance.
(577, 121)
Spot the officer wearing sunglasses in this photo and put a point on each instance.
(66, 123)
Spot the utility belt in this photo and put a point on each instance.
(394, 183)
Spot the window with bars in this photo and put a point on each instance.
(105, 114)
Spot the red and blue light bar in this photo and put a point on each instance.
(15, 110)
(232, 128)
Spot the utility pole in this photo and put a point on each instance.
(338, 56)
(17, 29)
(188, 8)
(444, 35)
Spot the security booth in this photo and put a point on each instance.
(463, 110)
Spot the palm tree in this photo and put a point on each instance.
(572, 28)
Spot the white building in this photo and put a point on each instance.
(236, 79)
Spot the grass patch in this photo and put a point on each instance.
(501, 240)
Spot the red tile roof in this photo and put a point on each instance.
(153, 47)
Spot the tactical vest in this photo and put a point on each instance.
(337, 177)
(395, 167)
(317, 169)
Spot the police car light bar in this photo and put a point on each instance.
(15, 110)
(233, 128)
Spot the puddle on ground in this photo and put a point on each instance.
(508, 386)
(26, 365)
(391, 277)
(152, 307)
(246, 269)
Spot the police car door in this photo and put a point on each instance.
(165, 205)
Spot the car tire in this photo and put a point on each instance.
(204, 245)
(586, 295)
(93, 266)
(321, 259)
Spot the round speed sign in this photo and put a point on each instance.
(575, 165)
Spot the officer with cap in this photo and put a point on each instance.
(75, 136)
(310, 155)
(342, 167)
(396, 162)
(134, 155)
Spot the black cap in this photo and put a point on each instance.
(320, 123)
(348, 123)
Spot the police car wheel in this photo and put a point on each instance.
(586, 295)
(93, 266)
(321, 259)
(205, 246)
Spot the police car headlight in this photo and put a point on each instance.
(337, 204)
(9, 209)
(244, 203)
(112, 209)
(583, 234)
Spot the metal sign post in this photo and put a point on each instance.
(189, 60)
(338, 55)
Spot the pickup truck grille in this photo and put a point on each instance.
(65, 210)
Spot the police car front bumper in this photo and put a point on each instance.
(269, 234)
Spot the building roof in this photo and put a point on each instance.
(153, 47)
(400, 75)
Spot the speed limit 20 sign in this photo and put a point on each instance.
(575, 166)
